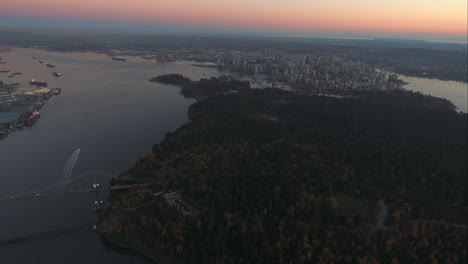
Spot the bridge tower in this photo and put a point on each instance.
(98, 203)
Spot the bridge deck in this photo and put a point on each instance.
(45, 195)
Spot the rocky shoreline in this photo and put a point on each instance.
(120, 244)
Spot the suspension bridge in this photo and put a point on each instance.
(60, 188)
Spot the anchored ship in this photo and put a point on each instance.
(206, 64)
(118, 59)
(32, 118)
(56, 91)
(38, 83)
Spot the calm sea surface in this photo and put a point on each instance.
(112, 113)
(456, 92)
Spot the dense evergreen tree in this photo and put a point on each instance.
(280, 177)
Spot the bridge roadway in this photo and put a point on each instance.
(44, 195)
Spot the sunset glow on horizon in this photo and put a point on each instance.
(447, 17)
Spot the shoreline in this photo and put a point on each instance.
(133, 249)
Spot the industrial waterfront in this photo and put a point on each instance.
(112, 113)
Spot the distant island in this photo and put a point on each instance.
(273, 176)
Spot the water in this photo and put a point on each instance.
(112, 113)
(456, 92)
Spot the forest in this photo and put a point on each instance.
(203, 87)
(283, 177)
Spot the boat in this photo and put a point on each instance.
(56, 91)
(50, 65)
(38, 83)
(32, 118)
(17, 73)
(118, 59)
(206, 64)
(4, 70)
(147, 57)
(34, 57)
(41, 62)
(57, 74)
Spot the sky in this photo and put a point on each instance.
(419, 19)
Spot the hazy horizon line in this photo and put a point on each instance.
(173, 30)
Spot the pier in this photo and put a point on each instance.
(20, 109)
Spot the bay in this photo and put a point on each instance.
(113, 114)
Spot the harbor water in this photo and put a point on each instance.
(107, 109)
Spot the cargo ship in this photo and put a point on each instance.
(163, 59)
(38, 83)
(57, 74)
(32, 118)
(50, 65)
(206, 64)
(118, 59)
(151, 57)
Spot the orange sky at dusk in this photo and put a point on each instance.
(446, 17)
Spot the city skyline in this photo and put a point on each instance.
(428, 20)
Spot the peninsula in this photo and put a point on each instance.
(283, 176)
